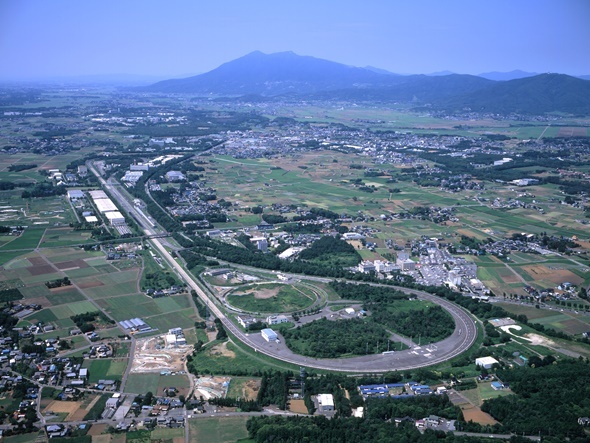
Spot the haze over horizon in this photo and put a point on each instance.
(66, 38)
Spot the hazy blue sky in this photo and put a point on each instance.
(40, 38)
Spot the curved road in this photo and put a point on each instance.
(462, 338)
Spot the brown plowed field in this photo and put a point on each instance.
(476, 415)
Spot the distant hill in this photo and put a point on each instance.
(288, 75)
(505, 76)
(532, 95)
(379, 70)
(419, 89)
(273, 74)
(440, 73)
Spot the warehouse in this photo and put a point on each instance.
(276, 319)
(104, 205)
(115, 217)
(75, 194)
(325, 402)
(269, 335)
(486, 362)
(97, 195)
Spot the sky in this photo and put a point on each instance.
(178, 38)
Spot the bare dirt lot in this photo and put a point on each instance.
(260, 292)
(478, 416)
(297, 406)
(152, 355)
(97, 429)
(211, 387)
(72, 408)
(221, 350)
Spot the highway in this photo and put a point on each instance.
(461, 339)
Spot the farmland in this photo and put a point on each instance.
(381, 173)
(218, 430)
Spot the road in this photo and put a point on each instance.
(461, 339)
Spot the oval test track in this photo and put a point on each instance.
(463, 336)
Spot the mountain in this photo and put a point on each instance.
(420, 89)
(440, 73)
(379, 70)
(273, 74)
(584, 77)
(505, 76)
(531, 95)
(287, 75)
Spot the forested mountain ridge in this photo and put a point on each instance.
(288, 75)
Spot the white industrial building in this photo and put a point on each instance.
(171, 340)
(97, 195)
(105, 205)
(486, 362)
(91, 219)
(276, 319)
(174, 176)
(139, 167)
(269, 335)
(326, 402)
(366, 267)
(75, 194)
(132, 176)
(384, 266)
(407, 264)
(115, 217)
(455, 277)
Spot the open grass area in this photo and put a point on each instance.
(105, 369)
(271, 298)
(142, 383)
(238, 359)
(70, 309)
(218, 429)
(166, 434)
(180, 319)
(484, 391)
(178, 381)
(64, 237)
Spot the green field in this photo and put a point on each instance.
(244, 359)
(71, 295)
(166, 434)
(142, 383)
(179, 319)
(71, 309)
(28, 240)
(484, 391)
(218, 430)
(105, 369)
